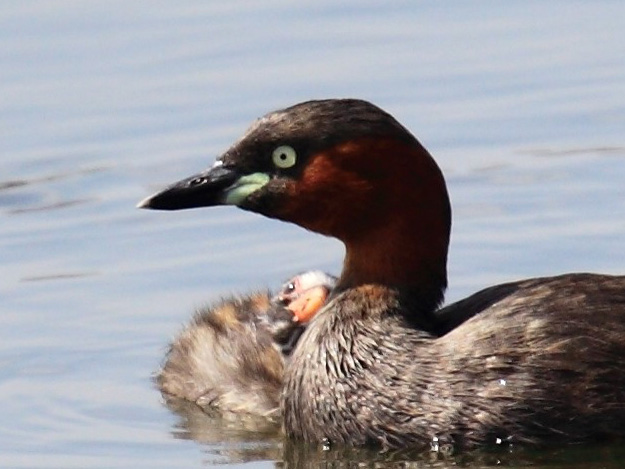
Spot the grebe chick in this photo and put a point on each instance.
(305, 293)
(300, 297)
(231, 355)
(539, 361)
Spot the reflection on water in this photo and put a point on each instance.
(605, 457)
(233, 438)
(522, 105)
(248, 440)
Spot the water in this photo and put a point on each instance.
(522, 104)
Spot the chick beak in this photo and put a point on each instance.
(205, 189)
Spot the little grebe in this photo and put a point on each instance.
(536, 361)
(231, 355)
(305, 294)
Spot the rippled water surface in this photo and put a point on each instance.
(522, 103)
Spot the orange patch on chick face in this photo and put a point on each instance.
(308, 304)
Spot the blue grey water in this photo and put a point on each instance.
(521, 102)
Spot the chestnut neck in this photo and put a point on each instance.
(404, 245)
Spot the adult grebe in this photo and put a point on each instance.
(534, 361)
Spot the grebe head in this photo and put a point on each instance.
(305, 294)
(343, 168)
(296, 286)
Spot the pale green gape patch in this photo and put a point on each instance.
(245, 186)
(284, 156)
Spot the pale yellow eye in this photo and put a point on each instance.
(284, 156)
